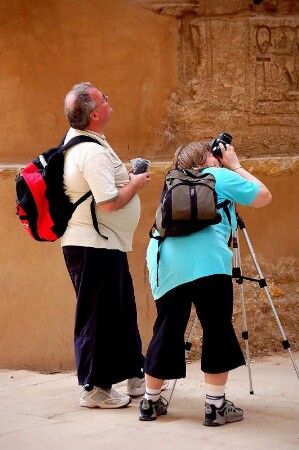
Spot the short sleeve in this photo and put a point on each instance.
(231, 186)
(99, 172)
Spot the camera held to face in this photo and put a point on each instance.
(223, 138)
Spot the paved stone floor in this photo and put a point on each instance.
(40, 411)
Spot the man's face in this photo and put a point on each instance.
(102, 113)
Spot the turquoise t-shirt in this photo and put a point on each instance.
(186, 258)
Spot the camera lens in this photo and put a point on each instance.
(225, 138)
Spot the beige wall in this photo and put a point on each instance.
(135, 56)
(37, 300)
(48, 46)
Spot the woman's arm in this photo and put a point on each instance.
(230, 161)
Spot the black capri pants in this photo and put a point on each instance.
(213, 300)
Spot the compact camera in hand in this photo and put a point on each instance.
(223, 138)
(140, 165)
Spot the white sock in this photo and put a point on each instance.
(152, 394)
(215, 394)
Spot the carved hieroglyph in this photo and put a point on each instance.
(274, 71)
(238, 73)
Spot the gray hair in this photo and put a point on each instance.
(78, 114)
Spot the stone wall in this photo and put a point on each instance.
(174, 72)
(238, 72)
(47, 46)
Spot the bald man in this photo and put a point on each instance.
(107, 342)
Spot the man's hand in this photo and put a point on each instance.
(140, 180)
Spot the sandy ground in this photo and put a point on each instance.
(40, 411)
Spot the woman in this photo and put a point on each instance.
(197, 269)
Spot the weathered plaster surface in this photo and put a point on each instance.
(37, 299)
(238, 73)
(174, 72)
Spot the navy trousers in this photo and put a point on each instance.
(107, 341)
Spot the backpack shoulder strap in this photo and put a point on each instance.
(225, 207)
(94, 218)
(77, 140)
(74, 141)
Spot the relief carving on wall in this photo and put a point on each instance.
(238, 72)
(239, 75)
(274, 71)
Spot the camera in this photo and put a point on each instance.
(223, 138)
(140, 165)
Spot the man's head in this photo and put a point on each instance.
(86, 108)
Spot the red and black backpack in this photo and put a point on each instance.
(43, 207)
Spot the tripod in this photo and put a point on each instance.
(237, 274)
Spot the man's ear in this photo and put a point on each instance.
(93, 116)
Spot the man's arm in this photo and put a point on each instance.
(127, 192)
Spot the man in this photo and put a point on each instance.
(107, 341)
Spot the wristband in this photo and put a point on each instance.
(238, 167)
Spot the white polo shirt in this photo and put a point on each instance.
(89, 166)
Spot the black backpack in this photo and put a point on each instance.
(188, 204)
(43, 207)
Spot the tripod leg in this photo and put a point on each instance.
(239, 280)
(263, 284)
(171, 393)
(188, 346)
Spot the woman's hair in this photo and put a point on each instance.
(192, 155)
(78, 114)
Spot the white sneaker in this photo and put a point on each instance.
(103, 398)
(165, 385)
(136, 386)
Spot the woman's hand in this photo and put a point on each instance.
(229, 158)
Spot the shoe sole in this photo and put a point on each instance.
(147, 419)
(104, 406)
(150, 418)
(215, 424)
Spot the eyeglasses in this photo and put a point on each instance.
(104, 100)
